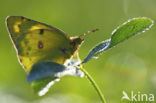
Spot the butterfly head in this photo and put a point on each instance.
(76, 42)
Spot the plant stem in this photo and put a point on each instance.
(94, 84)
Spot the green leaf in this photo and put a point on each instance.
(97, 50)
(130, 28)
(44, 74)
(44, 69)
(126, 30)
(43, 85)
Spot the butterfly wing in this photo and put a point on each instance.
(36, 42)
(18, 25)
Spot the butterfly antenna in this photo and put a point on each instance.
(88, 32)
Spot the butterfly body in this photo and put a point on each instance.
(37, 42)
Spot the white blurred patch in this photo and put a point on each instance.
(62, 98)
(71, 69)
(57, 98)
(9, 98)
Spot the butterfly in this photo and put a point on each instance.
(42, 50)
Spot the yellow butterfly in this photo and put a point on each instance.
(37, 42)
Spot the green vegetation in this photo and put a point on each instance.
(129, 66)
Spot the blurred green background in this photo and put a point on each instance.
(131, 66)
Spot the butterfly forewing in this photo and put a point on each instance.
(36, 42)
